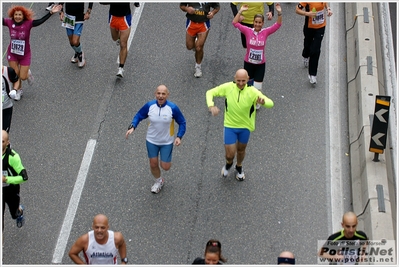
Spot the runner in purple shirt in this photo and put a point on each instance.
(20, 22)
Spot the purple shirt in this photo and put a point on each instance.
(256, 42)
(19, 36)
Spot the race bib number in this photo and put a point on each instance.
(18, 47)
(69, 21)
(319, 18)
(5, 174)
(255, 56)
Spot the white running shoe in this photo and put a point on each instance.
(306, 62)
(157, 186)
(74, 58)
(240, 176)
(31, 79)
(312, 79)
(82, 60)
(18, 95)
(224, 172)
(257, 106)
(118, 42)
(13, 94)
(198, 72)
(120, 72)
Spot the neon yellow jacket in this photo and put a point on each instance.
(240, 105)
(253, 9)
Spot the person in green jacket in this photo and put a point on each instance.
(14, 174)
(239, 117)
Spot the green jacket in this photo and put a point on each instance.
(240, 105)
(13, 170)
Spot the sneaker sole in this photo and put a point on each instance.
(21, 222)
(156, 192)
(240, 179)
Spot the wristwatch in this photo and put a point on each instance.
(124, 260)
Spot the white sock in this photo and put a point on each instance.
(197, 65)
(159, 179)
(258, 85)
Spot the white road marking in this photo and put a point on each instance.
(74, 202)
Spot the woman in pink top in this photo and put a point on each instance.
(20, 22)
(255, 60)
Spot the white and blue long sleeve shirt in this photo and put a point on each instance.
(162, 117)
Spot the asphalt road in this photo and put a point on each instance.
(285, 202)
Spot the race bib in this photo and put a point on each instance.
(5, 173)
(18, 47)
(69, 21)
(255, 56)
(319, 18)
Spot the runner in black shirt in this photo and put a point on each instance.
(349, 242)
(120, 21)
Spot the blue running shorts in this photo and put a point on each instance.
(164, 150)
(232, 135)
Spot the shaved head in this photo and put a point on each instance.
(287, 254)
(100, 219)
(349, 216)
(286, 258)
(242, 73)
(241, 78)
(162, 87)
(349, 223)
(5, 140)
(100, 227)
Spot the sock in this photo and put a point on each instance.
(258, 85)
(159, 179)
(78, 49)
(228, 165)
(121, 65)
(197, 65)
(239, 169)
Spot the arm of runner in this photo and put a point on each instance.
(129, 131)
(270, 14)
(120, 245)
(239, 17)
(215, 10)
(80, 245)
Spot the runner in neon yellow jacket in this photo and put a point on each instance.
(240, 103)
(239, 116)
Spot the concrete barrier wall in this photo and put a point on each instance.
(364, 83)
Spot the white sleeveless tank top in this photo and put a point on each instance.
(101, 254)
